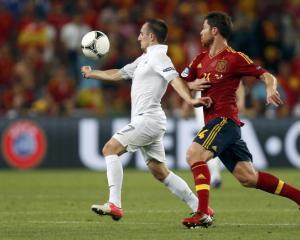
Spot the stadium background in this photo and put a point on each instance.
(52, 120)
(40, 58)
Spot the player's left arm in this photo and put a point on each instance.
(273, 96)
(240, 97)
(245, 66)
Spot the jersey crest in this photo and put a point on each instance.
(222, 65)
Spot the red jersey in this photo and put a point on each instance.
(224, 71)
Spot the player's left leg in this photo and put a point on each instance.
(264, 181)
(238, 160)
(154, 154)
(215, 172)
(173, 182)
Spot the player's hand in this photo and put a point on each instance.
(199, 84)
(85, 70)
(273, 97)
(202, 102)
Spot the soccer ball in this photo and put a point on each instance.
(94, 44)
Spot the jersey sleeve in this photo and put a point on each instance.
(128, 70)
(163, 65)
(189, 72)
(245, 66)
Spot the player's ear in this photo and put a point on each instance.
(214, 30)
(153, 37)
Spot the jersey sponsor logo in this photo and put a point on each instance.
(185, 72)
(23, 144)
(168, 69)
(222, 66)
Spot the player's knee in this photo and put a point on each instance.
(159, 176)
(108, 149)
(158, 169)
(192, 156)
(247, 181)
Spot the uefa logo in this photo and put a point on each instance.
(23, 144)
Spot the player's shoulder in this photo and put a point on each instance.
(197, 59)
(157, 56)
(238, 56)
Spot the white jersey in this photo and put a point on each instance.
(150, 74)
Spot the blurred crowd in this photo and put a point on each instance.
(40, 54)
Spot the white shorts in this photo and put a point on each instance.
(144, 132)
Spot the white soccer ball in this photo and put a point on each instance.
(95, 44)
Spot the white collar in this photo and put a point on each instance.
(157, 47)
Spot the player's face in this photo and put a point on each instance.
(144, 37)
(207, 37)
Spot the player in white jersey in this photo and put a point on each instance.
(150, 74)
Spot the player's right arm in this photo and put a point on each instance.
(107, 75)
(189, 74)
(124, 73)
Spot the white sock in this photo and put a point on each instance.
(214, 169)
(114, 178)
(180, 188)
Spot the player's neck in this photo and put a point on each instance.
(217, 47)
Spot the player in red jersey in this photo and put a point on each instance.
(222, 68)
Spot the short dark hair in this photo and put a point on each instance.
(221, 21)
(159, 28)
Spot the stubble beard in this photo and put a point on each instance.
(208, 43)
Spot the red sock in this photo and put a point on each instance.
(202, 183)
(272, 184)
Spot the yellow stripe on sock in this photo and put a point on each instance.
(279, 187)
(202, 187)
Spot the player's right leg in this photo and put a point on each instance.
(111, 152)
(209, 142)
(129, 138)
(197, 156)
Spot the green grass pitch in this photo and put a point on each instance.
(55, 204)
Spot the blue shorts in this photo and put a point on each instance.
(222, 136)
